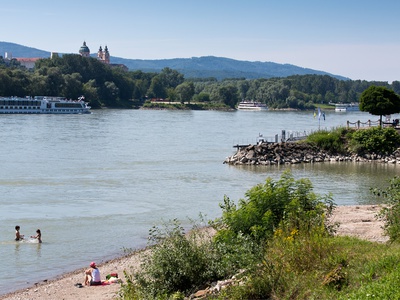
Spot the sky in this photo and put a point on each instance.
(358, 39)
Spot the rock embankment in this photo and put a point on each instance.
(295, 153)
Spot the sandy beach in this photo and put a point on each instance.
(356, 220)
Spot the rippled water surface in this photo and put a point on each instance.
(95, 184)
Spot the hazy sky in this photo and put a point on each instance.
(359, 39)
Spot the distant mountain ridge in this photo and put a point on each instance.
(195, 67)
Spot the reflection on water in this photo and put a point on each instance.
(39, 250)
(17, 247)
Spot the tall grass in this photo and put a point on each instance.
(333, 141)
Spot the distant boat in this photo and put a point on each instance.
(343, 107)
(43, 105)
(252, 105)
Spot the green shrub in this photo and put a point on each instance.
(268, 205)
(183, 262)
(293, 264)
(375, 140)
(333, 141)
(164, 105)
(130, 290)
(391, 211)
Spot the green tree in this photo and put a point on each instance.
(5, 83)
(54, 82)
(170, 78)
(172, 95)
(73, 86)
(379, 100)
(90, 90)
(185, 91)
(111, 93)
(228, 95)
(396, 86)
(157, 89)
(37, 86)
(202, 97)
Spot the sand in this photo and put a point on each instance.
(357, 220)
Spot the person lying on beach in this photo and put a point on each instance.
(18, 235)
(92, 275)
(38, 236)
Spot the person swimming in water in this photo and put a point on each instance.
(18, 235)
(38, 236)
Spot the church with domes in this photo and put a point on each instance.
(84, 50)
(102, 55)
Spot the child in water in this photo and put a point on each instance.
(38, 236)
(18, 236)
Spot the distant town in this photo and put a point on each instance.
(102, 55)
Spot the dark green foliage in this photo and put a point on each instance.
(333, 141)
(181, 262)
(185, 91)
(269, 205)
(104, 85)
(379, 100)
(73, 75)
(350, 141)
(374, 140)
(391, 211)
(228, 95)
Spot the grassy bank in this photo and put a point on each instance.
(276, 243)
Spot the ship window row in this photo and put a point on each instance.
(21, 112)
(20, 102)
(62, 110)
(19, 107)
(68, 105)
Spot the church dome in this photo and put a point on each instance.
(84, 49)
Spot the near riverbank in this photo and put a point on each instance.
(356, 220)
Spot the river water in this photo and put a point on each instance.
(95, 184)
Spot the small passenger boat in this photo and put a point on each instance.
(252, 105)
(43, 105)
(343, 107)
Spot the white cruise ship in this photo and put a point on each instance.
(252, 105)
(43, 105)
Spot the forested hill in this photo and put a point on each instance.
(195, 67)
(220, 67)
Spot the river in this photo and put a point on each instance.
(95, 184)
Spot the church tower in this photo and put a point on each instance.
(100, 53)
(84, 50)
(103, 56)
(106, 57)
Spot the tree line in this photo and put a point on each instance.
(103, 85)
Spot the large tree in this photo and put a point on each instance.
(185, 91)
(379, 101)
(228, 95)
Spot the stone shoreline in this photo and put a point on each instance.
(295, 153)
